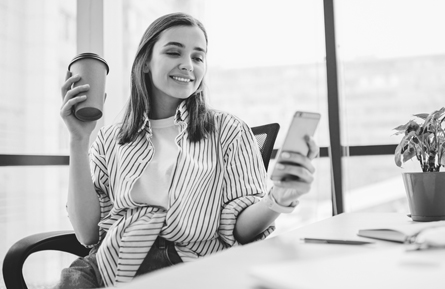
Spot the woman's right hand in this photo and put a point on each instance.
(78, 129)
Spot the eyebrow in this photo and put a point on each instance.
(178, 44)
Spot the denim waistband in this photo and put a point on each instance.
(162, 254)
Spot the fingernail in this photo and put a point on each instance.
(285, 155)
(280, 166)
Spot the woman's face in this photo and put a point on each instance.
(178, 63)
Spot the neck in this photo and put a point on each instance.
(163, 107)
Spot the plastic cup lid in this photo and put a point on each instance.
(89, 55)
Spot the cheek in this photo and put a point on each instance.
(157, 69)
(158, 77)
(200, 75)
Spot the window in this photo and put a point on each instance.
(36, 39)
(391, 66)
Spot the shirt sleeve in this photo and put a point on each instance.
(244, 183)
(100, 177)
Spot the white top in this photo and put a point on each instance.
(153, 185)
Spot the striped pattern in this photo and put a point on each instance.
(214, 180)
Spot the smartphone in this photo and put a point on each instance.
(303, 123)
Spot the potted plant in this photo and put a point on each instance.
(424, 138)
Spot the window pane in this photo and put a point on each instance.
(265, 66)
(392, 65)
(382, 189)
(37, 38)
(32, 200)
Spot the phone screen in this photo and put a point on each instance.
(303, 123)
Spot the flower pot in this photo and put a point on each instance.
(426, 195)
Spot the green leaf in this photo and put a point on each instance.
(401, 127)
(425, 140)
(422, 115)
(409, 153)
(442, 158)
(410, 137)
(398, 156)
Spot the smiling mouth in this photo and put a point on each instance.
(181, 79)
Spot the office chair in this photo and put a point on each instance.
(66, 241)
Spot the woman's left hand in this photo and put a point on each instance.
(299, 175)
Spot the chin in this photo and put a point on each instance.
(183, 95)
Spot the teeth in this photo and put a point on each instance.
(181, 79)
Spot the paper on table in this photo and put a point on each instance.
(399, 233)
(432, 238)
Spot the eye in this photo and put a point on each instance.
(173, 53)
(198, 57)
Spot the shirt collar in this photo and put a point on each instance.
(181, 117)
(181, 113)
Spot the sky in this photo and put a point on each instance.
(251, 32)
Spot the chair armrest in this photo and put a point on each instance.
(64, 241)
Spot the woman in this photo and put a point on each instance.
(174, 181)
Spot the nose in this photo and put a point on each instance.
(186, 65)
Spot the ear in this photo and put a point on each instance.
(145, 68)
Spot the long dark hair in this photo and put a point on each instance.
(200, 122)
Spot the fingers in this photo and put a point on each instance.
(296, 159)
(69, 81)
(67, 108)
(74, 96)
(293, 187)
(313, 148)
(296, 173)
(76, 91)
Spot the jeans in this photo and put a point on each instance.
(162, 254)
(84, 273)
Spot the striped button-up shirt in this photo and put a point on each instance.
(213, 181)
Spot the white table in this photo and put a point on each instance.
(303, 265)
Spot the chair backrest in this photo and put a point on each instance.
(266, 136)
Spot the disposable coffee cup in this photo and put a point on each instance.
(93, 70)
